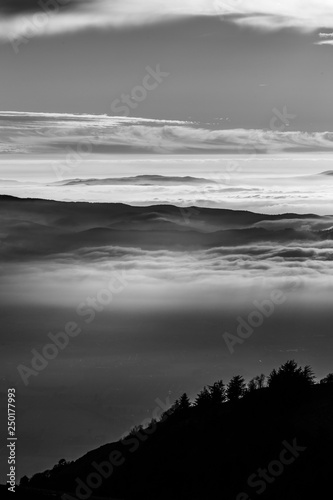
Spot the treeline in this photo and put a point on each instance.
(286, 386)
(290, 382)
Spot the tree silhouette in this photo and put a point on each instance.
(291, 381)
(256, 383)
(203, 399)
(236, 388)
(291, 373)
(62, 462)
(179, 408)
(137, 429)
(308, 375)
(176, 434)
(24, 482)
(252, 385)
(184, 403)
(212, 396)
(328, 379)
(260, 379)
(217, 393)
(151, 427)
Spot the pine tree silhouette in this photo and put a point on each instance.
(256, 383)
(203, 399)
(217, 393)
(236, 388)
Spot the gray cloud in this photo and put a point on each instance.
(268, 15)
(19, 7)
(325, 35)
(325, 42)
(42, 132)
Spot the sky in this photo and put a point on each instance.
(270, 184)
(229, 104)
(223, 67)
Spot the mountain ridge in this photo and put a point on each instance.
(201, 449)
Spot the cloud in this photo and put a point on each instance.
(19, 7)
(304, 15)
(324, 42)
(54, 133)
(20, 18)
(326, 39)
(63, 232)
(325, 35)
(175, 280)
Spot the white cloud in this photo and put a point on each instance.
(170, 279)
(325, 42)
(43, 132)
(325, 35)
(325, 39)
(305, 15)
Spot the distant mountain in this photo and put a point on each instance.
(32, 227)
(138, 180)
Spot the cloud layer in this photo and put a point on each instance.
(21, 19)
(47, 133)
(58, 254)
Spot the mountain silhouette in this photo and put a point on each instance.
(271, 439)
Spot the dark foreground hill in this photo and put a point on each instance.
(272, 443)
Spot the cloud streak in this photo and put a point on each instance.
(73, 15)
(54, 133)
(325, 42)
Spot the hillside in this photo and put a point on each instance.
(273, 442)
(33, 227)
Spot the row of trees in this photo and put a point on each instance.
(289, 379)
(289, 382)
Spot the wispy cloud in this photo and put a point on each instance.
(325, 42)
(325, 39)
(24, 18)
(56, 133)
(325, 35)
